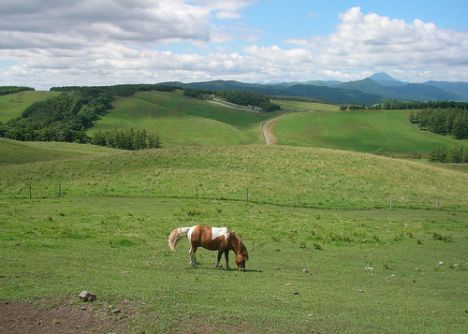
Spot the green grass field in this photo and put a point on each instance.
(369, 269)
(290, 105)
(12, 105)
(15, 152)
(383, 132)
(180, 120)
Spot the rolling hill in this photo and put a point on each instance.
(180, 120)
(316, 177)
(383, 132)
(17, 152)
(12, 105)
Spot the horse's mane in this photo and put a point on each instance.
(244, 249)
(241, 245)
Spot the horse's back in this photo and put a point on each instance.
(213, 238)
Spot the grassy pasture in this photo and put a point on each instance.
(180, 120)
(12, 105)
(14, 152)
(385, 132)
(277, 175)
(108, 233)
(116, 247)
(304, 106)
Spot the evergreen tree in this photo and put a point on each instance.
(439, 154)
(460, 126)
(455, 154)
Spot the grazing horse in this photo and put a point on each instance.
(213, 238)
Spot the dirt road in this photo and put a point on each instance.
(267, 128)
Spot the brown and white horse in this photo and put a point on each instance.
(213, 238)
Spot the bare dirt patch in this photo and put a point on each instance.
(45, 316)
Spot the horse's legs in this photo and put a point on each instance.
(226, 256)
(193, 260)
(220, 253)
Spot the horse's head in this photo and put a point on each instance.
(241, 256)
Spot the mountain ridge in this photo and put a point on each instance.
(371, 90)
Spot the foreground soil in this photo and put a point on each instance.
(44, 316)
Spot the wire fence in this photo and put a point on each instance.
(386, 201)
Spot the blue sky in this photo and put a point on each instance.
(68, 42)
(280, 20)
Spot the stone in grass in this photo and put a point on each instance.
(87, 296)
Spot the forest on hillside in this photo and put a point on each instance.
(5, 90)
(242, 98)
(452, 121)
(67, 116)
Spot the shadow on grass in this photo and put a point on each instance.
(224, 269)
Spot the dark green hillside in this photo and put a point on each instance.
(321, 93)
(61, 118)
(458, 88)
(5, 90)
(402, 92)
(67, 116)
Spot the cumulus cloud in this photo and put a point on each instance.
(96, 42)
(47, 24)
(377, 42)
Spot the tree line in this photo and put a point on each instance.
(457, 154)
(62, 118)
(408, 105)
(66, 117)
(5, 90)
(453, 121)
(405, 105)
(131, 139)
(116, 90)
(239, 97)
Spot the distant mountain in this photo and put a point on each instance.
(423, 92)
(320, 93)
(388, 87)
(459, 88)
(365, 85)
(386, 80)
(371, 90)
(326, 83)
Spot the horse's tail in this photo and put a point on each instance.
(175, 236)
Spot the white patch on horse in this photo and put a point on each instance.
(189, 233)
(217, 232)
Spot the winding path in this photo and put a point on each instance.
(267, 127)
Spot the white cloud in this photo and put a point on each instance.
(96, 42)
(375, 42)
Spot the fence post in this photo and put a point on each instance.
(247, 194)
(390, 202)
(60, 190)
(30, 192)
(437, 202)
